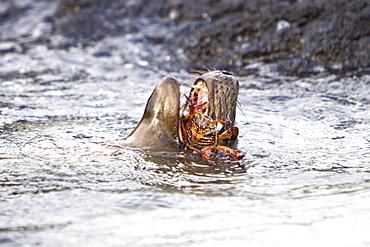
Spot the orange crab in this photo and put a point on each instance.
(200, 132)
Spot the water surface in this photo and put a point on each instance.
(304, 180)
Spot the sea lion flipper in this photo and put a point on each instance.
(159, 125)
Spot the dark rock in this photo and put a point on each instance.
(331, 34)
(302, 37)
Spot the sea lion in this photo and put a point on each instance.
(159, 126)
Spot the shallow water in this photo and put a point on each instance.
(305, 179)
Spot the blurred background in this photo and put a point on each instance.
(299, 37)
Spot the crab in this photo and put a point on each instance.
(200, 132)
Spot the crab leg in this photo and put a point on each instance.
(229, 151)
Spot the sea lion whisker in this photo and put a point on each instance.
(239, 105)
(198, 71)
(222, 97)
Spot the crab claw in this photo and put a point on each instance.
(229, 151)
(223, 121)
(231, 133)
(206, 154)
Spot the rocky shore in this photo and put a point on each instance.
(297, 37)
